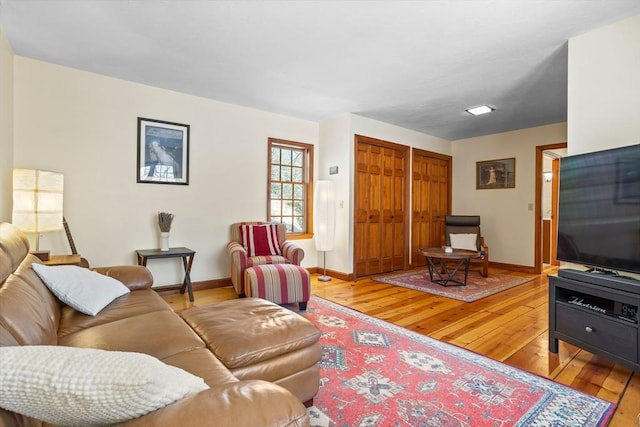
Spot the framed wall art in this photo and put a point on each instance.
(163, 152)
(499, 173)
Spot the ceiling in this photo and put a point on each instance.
(415, 64)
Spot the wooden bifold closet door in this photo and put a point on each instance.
(381, 206)
(430, 200)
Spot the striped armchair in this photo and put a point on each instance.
(240, 259)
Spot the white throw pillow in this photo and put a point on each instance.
(81, 288)
(464, 241)
(86, 386)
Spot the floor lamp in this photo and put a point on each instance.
(324, 222)
(37, 203)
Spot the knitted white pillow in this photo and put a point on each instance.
(81, 288)
(84, 386)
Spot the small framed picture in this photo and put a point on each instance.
(499, 173)
(163, 152)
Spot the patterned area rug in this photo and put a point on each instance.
(477, 286)
(374, 373)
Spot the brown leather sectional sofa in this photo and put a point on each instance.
(255, 379)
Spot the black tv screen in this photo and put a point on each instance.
(599, 209)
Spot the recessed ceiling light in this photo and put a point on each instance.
(476, 111)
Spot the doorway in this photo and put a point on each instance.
(546, 198)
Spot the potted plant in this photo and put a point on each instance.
(164, 222)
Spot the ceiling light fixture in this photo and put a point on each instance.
(476, 111)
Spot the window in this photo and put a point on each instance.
(290, 192)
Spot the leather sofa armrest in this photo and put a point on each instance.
(293, 252)
(242, 404)
(133, 276)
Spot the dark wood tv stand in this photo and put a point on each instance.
(596, 312)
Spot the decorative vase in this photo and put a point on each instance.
(164, 241)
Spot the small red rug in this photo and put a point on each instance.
(477, 287)
(374, 373)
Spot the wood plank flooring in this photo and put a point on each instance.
(511, 326)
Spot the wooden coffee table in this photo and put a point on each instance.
(444, 275)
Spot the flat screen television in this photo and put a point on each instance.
(599, 210)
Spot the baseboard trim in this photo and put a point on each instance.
(347, 277)
(512, 267)
(197, 286)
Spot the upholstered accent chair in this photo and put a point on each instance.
(463, 232)
(259, 243)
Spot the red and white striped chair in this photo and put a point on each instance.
(259, 243)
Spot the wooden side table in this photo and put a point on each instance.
(63, 260)
(187, 260)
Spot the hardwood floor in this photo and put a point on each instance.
(511, 326)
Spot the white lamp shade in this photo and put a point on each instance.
(324, 215)
(37, 200)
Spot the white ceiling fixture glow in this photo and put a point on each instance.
(476, 111)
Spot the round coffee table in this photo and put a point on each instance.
(446, 278)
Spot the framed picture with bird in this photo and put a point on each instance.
(163, 152)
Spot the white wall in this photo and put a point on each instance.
(85, 126)
(6, 128)
(380, 130)
(336, 151)
(507, 216)
(604, 88)
(604, 92)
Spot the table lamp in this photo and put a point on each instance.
(37, 203)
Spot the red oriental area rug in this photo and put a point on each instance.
(374, 373)
(477, 287)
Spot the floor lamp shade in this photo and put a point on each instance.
(324, 222)
(37, 201)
